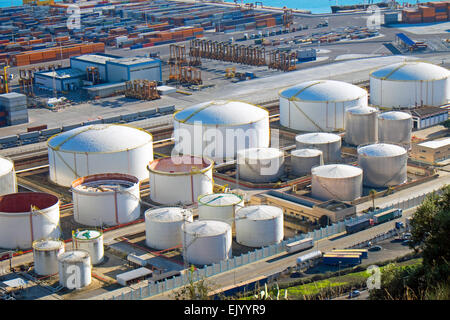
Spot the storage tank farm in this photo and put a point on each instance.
(410, 84)
(26, 217)
(383, 164)
(319, 105)
(180, 180)
(361, 125)
(328, 143)
(163, 226)
(218, 129)
(106, 199)
(99, 148)
(8, 181)
(260, 165)
(395, 127)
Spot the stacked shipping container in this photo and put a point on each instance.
(436, 11)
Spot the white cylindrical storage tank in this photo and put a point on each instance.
(328, 143)
(163, 226)
(410, 84)
(91, 241)
(219, 206)
(45, 256)
(99, 148)
(106, 199)
(361, 125)
(218, 129)
(336, 181)
(259, 226)
(383, 164)
(207, 241)
(260, 165)
(8, 181)
(302, 160)
(74, 269)
(180, 179)
(26, 217)
(395, 127)
(319, 105)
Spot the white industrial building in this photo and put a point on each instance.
(65, 79)
(425, 117)
(410, 84)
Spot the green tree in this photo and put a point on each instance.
(446, 123)
(198, 290)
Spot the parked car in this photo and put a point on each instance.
(354, 293)
(375, 248)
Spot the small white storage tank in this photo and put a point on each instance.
(218, 129)
(219, 206)
(26, 217)
(260, 165)
(8, 182)
(99, 148)
(259, 226)
(383, 164)
(395, 127)
(337, 181)
(361, 125)
(328, 143)
(319, 105)
(74, 269)
(180, 179)
(163, 226)
(302, 160)
(45, 256)
(91, 241)
(206, 242)
(410, 84)
(106, 199)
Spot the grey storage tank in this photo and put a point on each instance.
(361, 125)
(328, 143)
(395, 127)
(383, 164)
(302, 160)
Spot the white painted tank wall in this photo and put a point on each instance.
(8, 181)
(328, 143)
(45, 256)
(361, 125)
(395, 127)
(19, 226)
(303, 160)
(90, 241)
(74, 269)
(260, 165)
(219, 206)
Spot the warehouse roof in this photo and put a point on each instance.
(435, 143)
(96, 58)
(423, 112)
(64, 73)
(131, 61)
(134, 274)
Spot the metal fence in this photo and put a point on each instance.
(151, 289)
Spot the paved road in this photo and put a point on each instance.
(363, 296)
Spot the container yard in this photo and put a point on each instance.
(160, 135)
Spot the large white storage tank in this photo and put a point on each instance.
(383, 164)
(319, 105)
(99, 148)
(106, 199)
(219, 206)
(180, 179)
(163, 226)
(259, 226)
(218, 129)
(361, 125)
(74, 269)
(8, 182)
(395, 127)
(260, 165)
(26, 217)
(303, 160)
(45, 256)
(91, 241)
(206, 242)
(328, 143)
(410, 84)
(337, 181)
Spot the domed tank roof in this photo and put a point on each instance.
(323, 90)
(6, 165)
(361, 110)
(261, 153)
(381, 150)
(411, 71)
(206, 228)
(336, 171)
(395, 115)
(317, 137)
(222, 112)
(99, 138)
(220, 199)
(49, 244)
(167, 214)
(73, 256)
(259, 212)
(306, 152)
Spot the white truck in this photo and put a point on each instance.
(300, 245)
